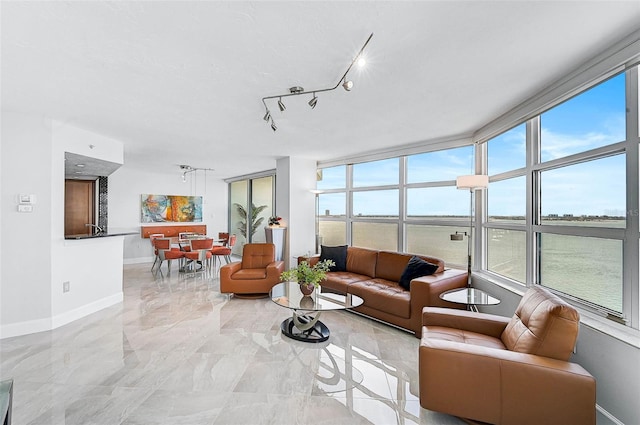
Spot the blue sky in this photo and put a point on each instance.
(592, 119)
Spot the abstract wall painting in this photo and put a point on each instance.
(170, 208)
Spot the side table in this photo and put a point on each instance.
(472, 297)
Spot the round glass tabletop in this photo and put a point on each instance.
(288, 294)
(470, 296)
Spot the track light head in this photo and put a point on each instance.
(267, 116)
(313, 101)
(273, 125)
(184, 177)
(347, 85)
(281, 105)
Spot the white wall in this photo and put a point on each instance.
(25, 269)
(37, 259)
(129, 182)
(295, 203)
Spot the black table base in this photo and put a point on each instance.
(312, 330)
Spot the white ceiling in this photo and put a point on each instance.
(181, 82)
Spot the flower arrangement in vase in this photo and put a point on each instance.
(274, 221)
(308, 277)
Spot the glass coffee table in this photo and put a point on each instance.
(306, 326)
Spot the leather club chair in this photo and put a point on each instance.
(500, 370)
(255, 275)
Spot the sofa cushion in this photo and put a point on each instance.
(416, 267)
(390, 265)
(340, 281)
(383, 295)
(250, 274)
(258, 255)
(337, 254)
(361, 261)
(543, 324)
(462, 336)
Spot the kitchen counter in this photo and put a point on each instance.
(100, 235)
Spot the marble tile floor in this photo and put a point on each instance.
(178, 352)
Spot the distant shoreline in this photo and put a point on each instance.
(566, 217)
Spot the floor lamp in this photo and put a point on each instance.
(472, 182)
(317, 194)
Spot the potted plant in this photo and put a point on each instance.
(308, 277)
(254, 221)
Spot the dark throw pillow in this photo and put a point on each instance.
(336, 253)
(416, 267)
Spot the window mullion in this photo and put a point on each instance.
(631, 248)
(533, 200)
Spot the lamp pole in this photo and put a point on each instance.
(472, 182)
(317, 193)
(469, 238)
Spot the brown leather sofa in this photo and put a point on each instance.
(374, 275)
(255, 275)
(502, 370)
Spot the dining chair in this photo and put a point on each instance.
(200, 252)
(165, 252)
(224, 251)
(155, 250)
(185, 237)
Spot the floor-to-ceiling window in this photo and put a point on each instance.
(406, 203)
(507, 206)
(557, 202)
(251, 203)
(435, 208)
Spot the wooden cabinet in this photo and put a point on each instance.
(173, 231)
(79, 206)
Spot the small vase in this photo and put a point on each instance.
(307, 288)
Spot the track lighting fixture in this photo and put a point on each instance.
(297, 90)
(313, 101)
(189, 169)
(273, 125)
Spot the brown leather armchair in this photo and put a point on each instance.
(255, 275)
(502, 370)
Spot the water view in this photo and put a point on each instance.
(588, 268)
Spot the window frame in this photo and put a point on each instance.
(629, 235)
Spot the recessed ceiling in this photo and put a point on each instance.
(82, 167)
(181, 82)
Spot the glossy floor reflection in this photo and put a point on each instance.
(176, 351)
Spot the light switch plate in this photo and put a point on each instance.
(26, 199)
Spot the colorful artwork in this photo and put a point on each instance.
(160, 208)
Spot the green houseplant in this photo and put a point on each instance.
(254, 222)
(308, 277)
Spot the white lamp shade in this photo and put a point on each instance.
(472, 182)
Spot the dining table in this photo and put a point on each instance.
(177, 242)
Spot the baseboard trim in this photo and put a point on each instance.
(85, 310)
(608, 415)
(137, 260)
(25, 328)
(50, 323)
